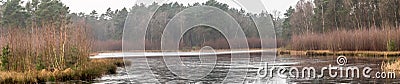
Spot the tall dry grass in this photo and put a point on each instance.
(2, 40)
(93, 69)
(391, 66)
(352, 40)
(224, 44)
(47, 47)
(107, 45)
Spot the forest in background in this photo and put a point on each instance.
(295, 30)
(40, 35)
(108, 26)
(43, 34)
(371, 25)
(306, 18)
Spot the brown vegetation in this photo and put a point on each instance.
(337, 53)
(352, 40)
(223, 43)
(391, 66)
(47, 47)
(88, 71)
(107, 45)
(2, 41)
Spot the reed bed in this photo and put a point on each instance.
(348, 40)
(44, 53)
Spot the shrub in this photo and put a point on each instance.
(39, 64)
(391, 45)
(4, 58)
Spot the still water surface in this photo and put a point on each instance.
(162, 74)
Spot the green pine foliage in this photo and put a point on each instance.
(391, 45)
(34, 13)
(4, 58)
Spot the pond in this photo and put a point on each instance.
(159, 72)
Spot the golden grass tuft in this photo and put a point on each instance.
(394, 66)
(88, 71)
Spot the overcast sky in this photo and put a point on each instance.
(100, 6)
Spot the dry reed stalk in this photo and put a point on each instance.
(49, 46)
(352, 40)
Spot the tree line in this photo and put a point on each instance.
(109, 25)
(343, 25)
(320, 16)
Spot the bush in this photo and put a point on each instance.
(39, 64)
(391, 45)
(4, 58)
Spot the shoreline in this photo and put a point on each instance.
(99, 67)
(280, 51)
(337, 53)
(87, 72)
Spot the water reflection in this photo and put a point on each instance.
(163, 75)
